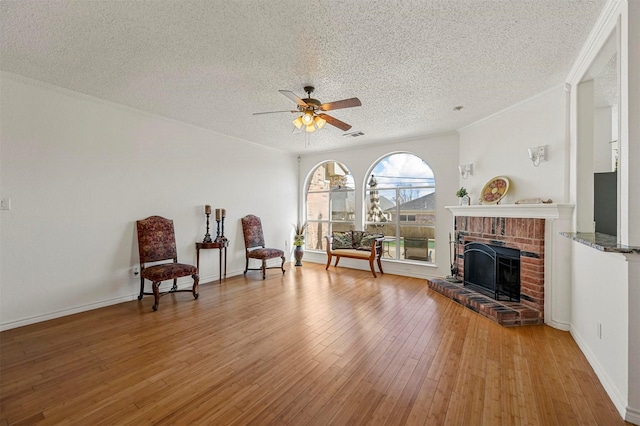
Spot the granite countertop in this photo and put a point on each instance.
(602, 242)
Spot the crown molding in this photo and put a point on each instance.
(598, 36)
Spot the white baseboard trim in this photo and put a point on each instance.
(607, 383)
(563, 326)
(405, 269)
(96, 305)
(64, 312)
(632, 416)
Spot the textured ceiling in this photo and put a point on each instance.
(213, 63)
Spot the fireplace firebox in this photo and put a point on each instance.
(492, 270)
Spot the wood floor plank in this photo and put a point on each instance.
(474, 403)
(306, 388)
(384, 412)
(492, 410)
(334, 381)
(406, 401)
(312, 347)
(353, 390)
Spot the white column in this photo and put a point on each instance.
(557, 276)
(584, 160)
(633, 403)
(630, 125)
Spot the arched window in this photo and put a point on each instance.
(330, 203)
(400, 203)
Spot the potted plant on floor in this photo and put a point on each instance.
(298, 241)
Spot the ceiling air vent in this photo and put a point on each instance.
(353, 134)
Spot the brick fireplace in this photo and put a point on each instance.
(524, 234)
(534, 230)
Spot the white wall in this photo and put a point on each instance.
(80, 172)
(440, 152)
(599, 296)
(602, 140)
(497, 146)
(594, 273)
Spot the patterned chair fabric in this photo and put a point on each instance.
(255, 247)
(157, 242)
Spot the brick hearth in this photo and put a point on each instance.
(524, 234)
(504, 313)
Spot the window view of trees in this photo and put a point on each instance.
(330, 202)
(400, 203)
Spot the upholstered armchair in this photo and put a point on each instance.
(254, 246)
(157, 242)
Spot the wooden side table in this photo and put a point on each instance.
(220, 245)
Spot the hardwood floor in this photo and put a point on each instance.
(311, 347)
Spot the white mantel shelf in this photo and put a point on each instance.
(538, 211)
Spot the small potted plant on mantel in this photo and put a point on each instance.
(298, 241)
(463, 196)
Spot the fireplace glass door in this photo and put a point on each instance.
(492, 270)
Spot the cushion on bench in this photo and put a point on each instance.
(352, 253)
(342, 240)
(358, 240)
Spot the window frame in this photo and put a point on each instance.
(328, 225)
(395, 244)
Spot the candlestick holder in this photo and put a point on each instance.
(207, 236)
(222, 236)
(217, 240)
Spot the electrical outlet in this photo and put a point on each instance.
(5, 204)
(599, 330)
(135, 271)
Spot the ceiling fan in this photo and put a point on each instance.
(312, 115)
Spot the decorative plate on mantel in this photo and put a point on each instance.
(495, 190)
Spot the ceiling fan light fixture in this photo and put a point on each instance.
(320, 122)
(311, 112)
(307, 118)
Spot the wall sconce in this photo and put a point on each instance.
(465, 170)
(537, 154)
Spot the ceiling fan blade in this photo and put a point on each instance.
(335, 122)
(289, 94)
(345, 103)
(272, 112)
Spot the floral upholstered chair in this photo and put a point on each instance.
(157, 242)
(254, 245)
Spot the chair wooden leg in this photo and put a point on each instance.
(380, 266)
(156, 295)
(194, 290)
(373, 271)
(141, 288)
(282, 265)
(337, 260)
(264, 269)
(328, 261)
(246, 267)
